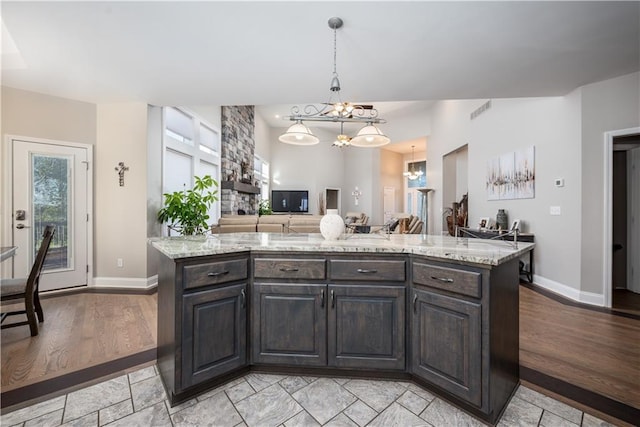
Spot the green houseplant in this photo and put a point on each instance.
(187, 211)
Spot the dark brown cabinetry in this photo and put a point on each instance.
(358, 324)
(464, 332)
(452, 326)
(214, 333)
(289, 324)
(202, 321)
(446, 338)
(366, 327)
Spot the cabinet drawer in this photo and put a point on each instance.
(450, 279)
(288, 268)
(368, 270)
(213, 273)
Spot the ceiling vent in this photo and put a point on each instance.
(484, 107)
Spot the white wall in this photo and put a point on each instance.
(311, 168)
(606, 106)
(121, 212)
(549, 124)
(262, 135)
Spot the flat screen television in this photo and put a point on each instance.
(289, 201)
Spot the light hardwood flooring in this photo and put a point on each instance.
(80, 330)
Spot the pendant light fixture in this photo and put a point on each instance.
(335, 110)
(412, 174)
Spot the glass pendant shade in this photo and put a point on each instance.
(370, 136)
(299, 134)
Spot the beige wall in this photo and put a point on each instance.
(42, 116)
(36, 115)
(121, 212)
(391, 168)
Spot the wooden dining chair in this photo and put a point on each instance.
(27, 289)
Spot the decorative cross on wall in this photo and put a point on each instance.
(356, 195)
(121, 169)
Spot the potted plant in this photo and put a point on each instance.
(264, 208)
(186, 211)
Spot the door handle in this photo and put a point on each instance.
(415, 300)
(322, 299)
(220, 273)
(333, 299)
(442, 279)
(21, 226)
(243, 294)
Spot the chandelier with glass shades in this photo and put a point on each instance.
(334, 110)
(412, 173)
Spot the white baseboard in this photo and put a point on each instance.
(569, 292)
(125, 283)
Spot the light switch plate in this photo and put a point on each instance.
(555, 210)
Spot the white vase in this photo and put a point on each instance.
(331, 225)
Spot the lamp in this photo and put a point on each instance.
(412, 174)
(299, 134)
(370, 136)
(335, 110)
(342, 140)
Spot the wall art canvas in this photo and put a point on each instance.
(512, 175)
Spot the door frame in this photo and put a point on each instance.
(607, 292)
(6, 229)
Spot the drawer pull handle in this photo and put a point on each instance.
(292, 269)
(363, 271)
(415, 300)
(243, 294)
(442, 279)
(322, 299)
(219, 273)
(333, 299)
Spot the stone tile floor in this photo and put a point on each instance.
(138, 399)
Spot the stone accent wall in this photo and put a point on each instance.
(238, 145)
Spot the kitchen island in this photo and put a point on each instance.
(438, 310)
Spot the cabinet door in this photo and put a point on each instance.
(447, 343)
(289, 324)
(214, 333)
(366, 326)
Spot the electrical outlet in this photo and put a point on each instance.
(120, 263)
(555, 210)
(559, 182)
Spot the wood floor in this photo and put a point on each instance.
(80, 330)
(593, 350)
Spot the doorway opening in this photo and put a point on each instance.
(622, 279)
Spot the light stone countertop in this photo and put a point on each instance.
(476, 251)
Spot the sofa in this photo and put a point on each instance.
(268, 223)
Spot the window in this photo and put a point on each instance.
(190, 147)
(261, 174)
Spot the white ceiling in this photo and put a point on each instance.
(268, 53)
